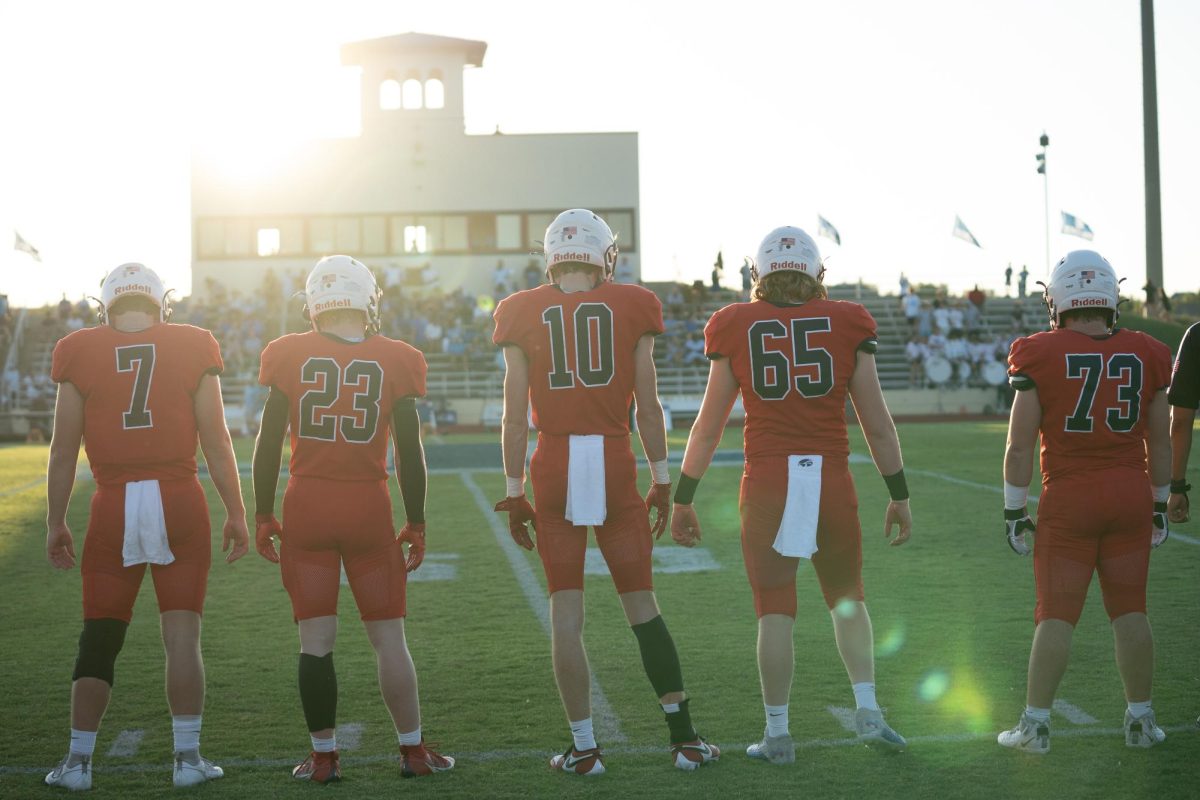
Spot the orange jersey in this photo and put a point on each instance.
(1094, 394)
(580, 350)
(793, 364)
(340, 396)
(139, 422)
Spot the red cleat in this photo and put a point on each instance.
(319, 768)
(417, 760)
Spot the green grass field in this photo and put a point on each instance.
(952, 613)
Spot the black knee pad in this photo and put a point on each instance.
(99, 644)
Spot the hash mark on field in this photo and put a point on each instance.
(1074, 713)
(431, 569)
(667, 561)
(844, 716)
(349, 736)
(126, 744)
(607, 725)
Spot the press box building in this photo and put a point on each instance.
(413, 191)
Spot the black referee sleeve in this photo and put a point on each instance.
(268, 451)
(410, 458)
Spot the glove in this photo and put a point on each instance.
(266, 527)
(659, 497)
(519, 512)
(1161, 527)
(414, 534)
(1016, 524)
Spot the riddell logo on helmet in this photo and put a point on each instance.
(1088, 301)
(584, 257)
(133, 287)
(800, 265)
(330, 304)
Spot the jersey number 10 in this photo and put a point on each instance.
(593, 346)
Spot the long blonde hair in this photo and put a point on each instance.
(788, 286)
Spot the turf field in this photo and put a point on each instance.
(952, 613)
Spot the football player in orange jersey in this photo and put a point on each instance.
(140, 392)
(342, 387)
(794, 355)
(580, 348)
(1097, 397)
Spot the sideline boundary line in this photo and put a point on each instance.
(608, 727)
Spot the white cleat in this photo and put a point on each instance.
(77, 777)
(188, 773)
(1028, 735)
(875, 733)
(1142, 731)
(775, 749)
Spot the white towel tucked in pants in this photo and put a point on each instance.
(587, 503)
(145, 526)
(797, 537)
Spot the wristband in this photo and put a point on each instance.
(1161, 493)
(1180, 486)
(897, 486)
(516, 486)
(659, 471)
(685, 492)
(1015, 496)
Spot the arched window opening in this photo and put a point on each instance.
(435, 93)
(412, 93)
(389, 94)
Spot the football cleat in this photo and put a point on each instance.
(193, 774)
(1142, 731)
(1028, 735)
(76, 777)
(874, 732)
(694, 754)
(579, 762)
(319, 768)
(417, 760)
(775, 749)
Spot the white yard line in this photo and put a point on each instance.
(1074, 713)
(733, 750)
(608, 727)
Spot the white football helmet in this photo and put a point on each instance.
(787, 248)
(1081, 279)
(129, 280)
(578, 235)
(342, 282)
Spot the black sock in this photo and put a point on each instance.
(680, 724)
(318, 691)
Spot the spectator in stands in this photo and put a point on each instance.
(746, 279)
(972, 319)
(910, 302)
(1018, 317)
(501, 280)
(941, 317)
(925, 321)
(624, 271)
(914, 351)
(1008, 280)
(905, 285)
(433, 336)
(977, 298)
(3, 309)
(1021, 281)
(694, 350)
(716, 277)
(674, 301)
(959, 356)
(64, 308)
(533, 275)
(956, 316)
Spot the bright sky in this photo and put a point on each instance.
(886, 118)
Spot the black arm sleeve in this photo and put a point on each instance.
(268, 450)
(410, 458)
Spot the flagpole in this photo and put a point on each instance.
(1045, 142)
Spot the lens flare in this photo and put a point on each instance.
(933, 685)
(846, 608)
(892, 641)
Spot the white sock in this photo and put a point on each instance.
(585, 739)
(324, 745)
(670, 708)
(1136, 710)
(1037, 714)
(187, 733)
(777, 720)
(864, 696)
(83, 743)
(410, 739)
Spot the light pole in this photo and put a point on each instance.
(1041, 159)
(1154, 254)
